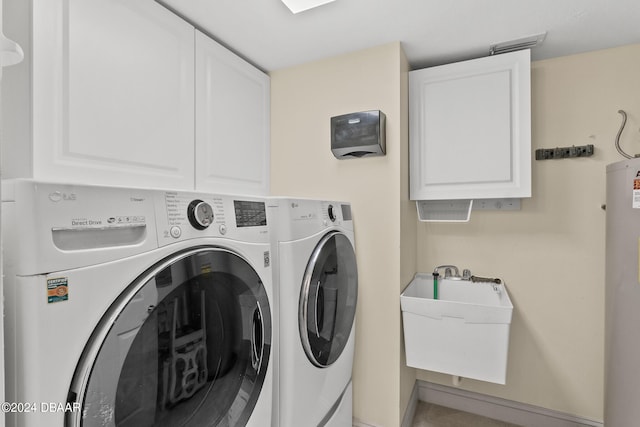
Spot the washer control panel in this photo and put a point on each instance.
(200, 214)
(183, 215)
(187, 215)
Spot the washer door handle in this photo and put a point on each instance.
(319, 309)
(256, 337)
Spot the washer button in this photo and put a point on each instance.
(223, 229)
(175, 231)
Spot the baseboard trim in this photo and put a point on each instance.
(497, 408)
(410, 412)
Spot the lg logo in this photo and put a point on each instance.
(58, 196)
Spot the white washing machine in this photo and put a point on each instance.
(317, 281)
(129, 307)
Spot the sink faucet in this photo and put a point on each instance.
(452, 272)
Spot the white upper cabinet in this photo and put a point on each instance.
(232, 122)
(125, 92)
(111, 94)
(470, 129)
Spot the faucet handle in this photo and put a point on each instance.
(466, 274)
(449, 271)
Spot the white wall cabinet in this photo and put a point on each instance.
(110, 88)
(108, 95)
(470, 129)
(232, 122)
(10, 54)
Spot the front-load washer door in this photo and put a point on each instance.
(186, 344)
(328, 299)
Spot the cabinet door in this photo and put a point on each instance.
(10, 54)
(112, 93)
(470, 129)
(232, 122)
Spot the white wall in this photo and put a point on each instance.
(551, 253)
(303, 99)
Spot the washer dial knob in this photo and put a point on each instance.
(332, 214)
(200, 214)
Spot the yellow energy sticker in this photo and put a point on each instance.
(57, 289)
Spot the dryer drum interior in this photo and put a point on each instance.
(186, 344)
(328, 299)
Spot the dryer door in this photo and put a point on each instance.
(187, 344)
(328, 299)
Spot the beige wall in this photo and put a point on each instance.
(408, 229)
(303, 99)
(551, 253)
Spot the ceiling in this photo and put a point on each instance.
(432, 32)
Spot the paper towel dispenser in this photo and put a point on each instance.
(358, 134)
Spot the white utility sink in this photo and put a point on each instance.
(465, 332)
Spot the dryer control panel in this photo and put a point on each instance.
(297, 218)
(336, 213)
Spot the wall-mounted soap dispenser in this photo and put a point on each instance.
(358, 134)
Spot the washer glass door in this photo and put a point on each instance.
(328, 299)
(187, 344)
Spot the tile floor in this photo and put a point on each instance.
(429, 415)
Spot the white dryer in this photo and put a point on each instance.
(129, 307)
(317, 281)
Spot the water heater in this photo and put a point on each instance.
(622, 295)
